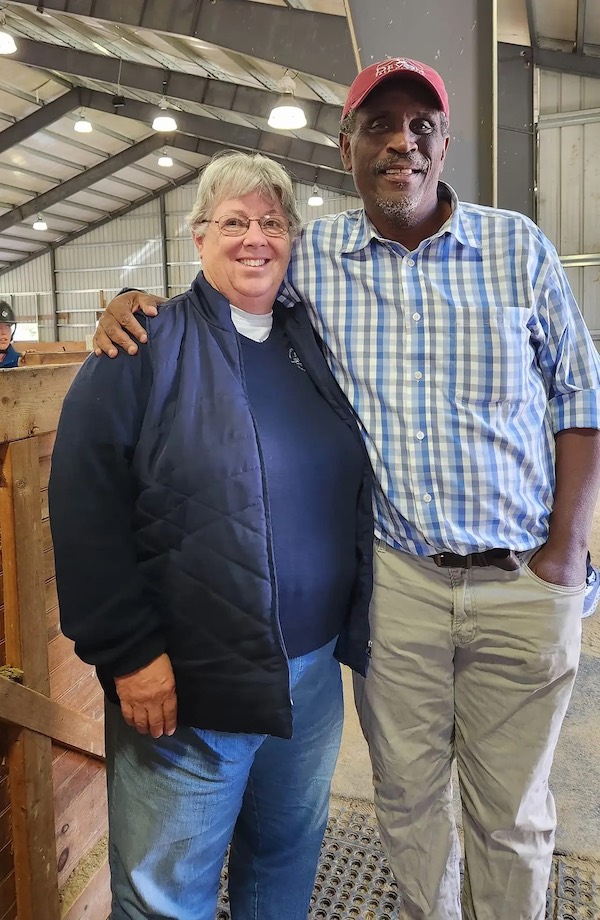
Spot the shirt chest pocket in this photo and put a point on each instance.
(487, 356)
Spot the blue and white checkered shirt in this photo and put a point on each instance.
(462, 359)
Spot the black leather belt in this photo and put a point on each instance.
(502, 558)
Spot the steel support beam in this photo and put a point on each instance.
(269, 142)
(229, 96)
(164, 254)
(516, 130)
(462, 47)
(54, 294)
(326, 179)
(44, 116)
(311, 43)
(583, 65)
(81, 181)
(532, 23)
(308, 161)
(329, 176)
(580, 38)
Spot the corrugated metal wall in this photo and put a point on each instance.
(29, 291)
(127, 252)
(89, 271)
(182, 257)
(569, 181)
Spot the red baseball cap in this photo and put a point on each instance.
(375, 74)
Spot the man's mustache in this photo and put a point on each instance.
(400, 163)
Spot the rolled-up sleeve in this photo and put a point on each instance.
(568, 358)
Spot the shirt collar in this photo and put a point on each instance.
(457, 224)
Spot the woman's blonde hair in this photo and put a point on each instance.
(234, 175)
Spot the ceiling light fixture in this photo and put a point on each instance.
(118, 99)
(316, 199)
(7, 42)
(287, 114)
(82, 125)
(164, 159)
(163, 122)
(40, 223)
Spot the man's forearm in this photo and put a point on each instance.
(576, 493)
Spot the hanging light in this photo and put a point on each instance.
(164, 159)
(162, 122)
(82, 125)
(7, 42)
(316, 199)
(286, 114)
(40, 223)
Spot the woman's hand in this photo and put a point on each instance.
(119, 317)
(148, 698)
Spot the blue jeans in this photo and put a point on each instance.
(175, 803)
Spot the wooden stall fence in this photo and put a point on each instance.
(52, 785)
(34, 354)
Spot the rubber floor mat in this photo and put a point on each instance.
(354, 882)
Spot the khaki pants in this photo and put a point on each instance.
(476, 664)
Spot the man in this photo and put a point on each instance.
(453, 331)
(9, 357)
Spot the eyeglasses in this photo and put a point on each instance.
(238, 225)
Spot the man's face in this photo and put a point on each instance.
(396, 153)
(5, 331)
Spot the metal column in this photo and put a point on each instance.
(54, 295)
(459, 40)
(516, 130)
(164, 245)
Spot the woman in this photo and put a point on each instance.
(212, 528)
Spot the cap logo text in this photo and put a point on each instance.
(388, 67)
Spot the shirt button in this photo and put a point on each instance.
(418, 375)
(427, 497)
(410, 263)
(416, 317)
(420, 435)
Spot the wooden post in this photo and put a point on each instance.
(30, 754)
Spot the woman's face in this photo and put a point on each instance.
(5, 331)
(247, 269)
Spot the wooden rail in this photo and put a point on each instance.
(41, 347)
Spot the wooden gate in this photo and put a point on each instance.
(53, 818)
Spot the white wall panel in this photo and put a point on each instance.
(571, 189)
(569, 181)
(591, 188)
(29, 291)
(563, 92)
(89, 271)
(182, 257)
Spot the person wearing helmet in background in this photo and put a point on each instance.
(9, 356)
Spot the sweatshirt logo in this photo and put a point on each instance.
(295, 359)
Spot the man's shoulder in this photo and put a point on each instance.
(502, 216)
(330, 226)
(501, 221)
